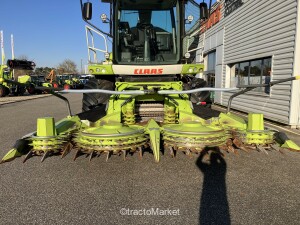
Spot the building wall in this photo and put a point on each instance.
(255, 30)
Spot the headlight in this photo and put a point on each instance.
(187, 55)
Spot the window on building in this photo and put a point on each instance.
(266, 73)
(256, 71)
(243, 78)
(211, 61)
(210, 71)
(255, 76)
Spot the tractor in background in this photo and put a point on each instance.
(11, 86)
(85, 78)
(69, 81)
(44, 84)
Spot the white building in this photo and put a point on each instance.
(250, 42)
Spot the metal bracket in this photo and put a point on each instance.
(64, 99)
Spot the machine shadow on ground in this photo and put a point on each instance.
(214, 208)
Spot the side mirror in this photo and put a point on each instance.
(203, 11)
(87, 11)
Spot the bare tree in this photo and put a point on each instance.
(43, 70)
(67, 66)
(23, 57)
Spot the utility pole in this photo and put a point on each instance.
(2, 48)
(12, 47)
(12, 53)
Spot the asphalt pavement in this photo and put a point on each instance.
(11, 99)
(251, 188)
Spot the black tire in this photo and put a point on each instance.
(2, 91)
(7, 91)
(203, 96)
(92, 100)
(194, 83)
(21, 90)
(55, 84)
(67, 87)
(31, 89)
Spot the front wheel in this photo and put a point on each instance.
(194, 83)
(20, 90)
(31, 89)
(67, 86)
(2, 91)
(55, 85)
(92, 100)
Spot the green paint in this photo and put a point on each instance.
(255, 121)
(229, 120)
(111, 137)
(24, 79)
(46, 127)
(258, 137)
(153, 129)
(11, 154)
(291, 145)
(192, 68)
(100, 69)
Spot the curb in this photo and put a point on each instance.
(14, 99)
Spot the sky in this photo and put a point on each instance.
(48, 32)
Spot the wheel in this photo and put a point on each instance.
(7, 91)
(194, 83)
(2, 91)
(31, 89)
(203, 96)
(91, 100)
(55, 84)
(21, 90)
(67, 86)
(15, 93)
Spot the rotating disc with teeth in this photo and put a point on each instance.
(261, 140)
(113, 138)
(46, 145)
(193, 137)
(258, 137)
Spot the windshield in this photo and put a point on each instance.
(6, 74)
(147, 36)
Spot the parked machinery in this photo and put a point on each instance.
(10, 85)
(69, 81)
(145, 96)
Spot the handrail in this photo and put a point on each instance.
(89, 31)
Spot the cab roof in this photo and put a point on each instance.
(147, 4)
